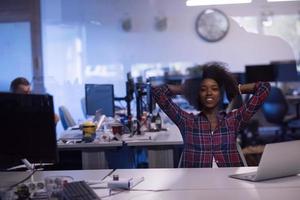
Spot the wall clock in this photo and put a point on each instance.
(212, 25)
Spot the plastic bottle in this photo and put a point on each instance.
(153, 123)
(158, 121)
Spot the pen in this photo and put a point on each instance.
(110, 173)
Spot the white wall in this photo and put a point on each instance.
(107, 43)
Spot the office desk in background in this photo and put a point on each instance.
(92, 154)
(163, 148)
(178, 184)
(295, 100)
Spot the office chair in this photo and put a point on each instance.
(83, 106)
(275, 110)
(239, 149)
(66, 118)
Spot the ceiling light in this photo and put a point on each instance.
(214, 2)
(280, 0)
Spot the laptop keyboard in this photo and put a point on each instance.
(79, 190)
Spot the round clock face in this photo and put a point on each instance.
(212, 25)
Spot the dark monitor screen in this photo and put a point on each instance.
(239, 77)
(256, 73)
(27, 129)
(174, 80)
(286, 70)
(99, 97)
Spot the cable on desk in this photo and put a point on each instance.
(107, 175)
(23, 180)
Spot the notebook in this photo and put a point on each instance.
(278, 160)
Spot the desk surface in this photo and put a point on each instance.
(205, 183)
(86, 146)
(75, 135)
(292, 97)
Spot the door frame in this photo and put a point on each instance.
(28, 11)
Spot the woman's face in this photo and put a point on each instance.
(209, 93)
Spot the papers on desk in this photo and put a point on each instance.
(128, 137)
(72, 134)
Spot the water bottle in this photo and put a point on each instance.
(158, 122)
(153, 123)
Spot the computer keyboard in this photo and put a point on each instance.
(79, 190)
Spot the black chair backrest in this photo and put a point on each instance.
(275, 106)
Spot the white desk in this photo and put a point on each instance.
(190, 184)
(207, 183)
(13, 177)
(294, 99)
(92, 154)
(160, 146)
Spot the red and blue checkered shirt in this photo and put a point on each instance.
(200, 145)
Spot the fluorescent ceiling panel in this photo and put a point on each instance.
(214, 2)
(280, 0)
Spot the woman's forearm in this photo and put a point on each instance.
(248, 88)
(176, 89)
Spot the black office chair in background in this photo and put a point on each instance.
(275, 111)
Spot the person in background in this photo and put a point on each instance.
(210, 136)
(21, 85)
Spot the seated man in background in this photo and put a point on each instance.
(21, 85)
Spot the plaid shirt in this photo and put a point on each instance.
(200, 145)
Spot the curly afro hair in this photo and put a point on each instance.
(212, 70)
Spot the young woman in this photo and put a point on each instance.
(210, 136)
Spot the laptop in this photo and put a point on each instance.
(278, 160)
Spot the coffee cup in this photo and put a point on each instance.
(117, 129)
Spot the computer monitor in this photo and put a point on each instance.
(99, 97)
(27, 129)
(286, 70)
(239, 77)
(256, 73)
